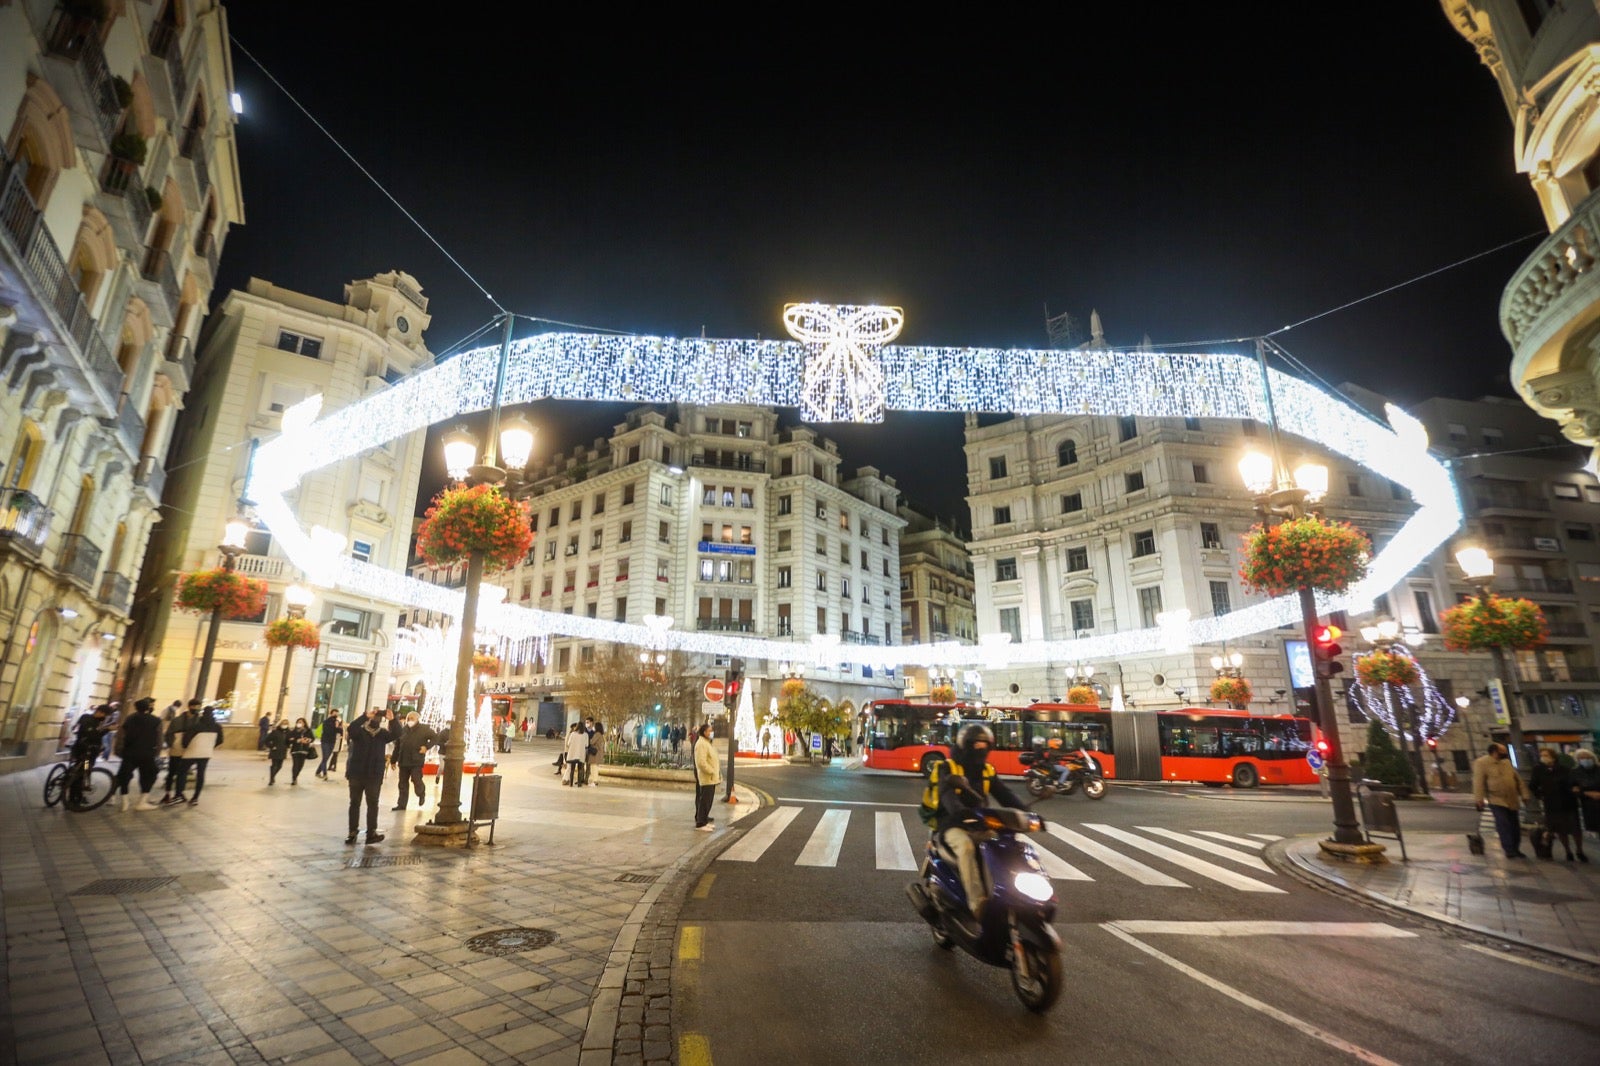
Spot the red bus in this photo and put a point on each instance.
(1215, 747)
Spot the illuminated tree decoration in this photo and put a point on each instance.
(481, 518)
(843, 377)
(293, 632)
(228, 591)
(1234, 691)
(942, 694)
(1478, 624)
(1391, 702)
(1382, 667)
(1306, 552)
(1083, 695)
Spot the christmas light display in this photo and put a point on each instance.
(744, 721)
(639, 369)
(1395, 706)
(843, 376)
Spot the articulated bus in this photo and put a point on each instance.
(1215, 747)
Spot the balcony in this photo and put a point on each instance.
(76, 40)
(1521, 542)
(207, 247)
(129, 426)
(193, 148)
(850, 636)
(179, 364)
(1483, 503)
(730, 462)
(24, 521)
(151, 475)
(262, 566)
(724, 625)
(1558, 585)
(1552, 288)
(116, 591)
(126, 202)
(79, 561)
(164, 46)
(158, 268)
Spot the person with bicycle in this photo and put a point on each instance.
(89, 735)
(141, 747)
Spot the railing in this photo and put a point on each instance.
(79, 560)
(264, 566)
(1519, 541)
(158, 268)
(1558, 585)
(180, 350)
(139, 209)
(1583, 673)
(1509, 503)
(78, 39)
(116, 591)
(1547, 278)
(193, 149)
(850, 636)
(24, 520)
(723, 625)
(151, 474)
(205, 243)
(738, 462)
(164, 43)
(129, 425)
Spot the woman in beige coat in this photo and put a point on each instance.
(707, 776)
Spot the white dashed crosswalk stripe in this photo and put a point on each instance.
(1116, 860)
(823, 847)
(1229, 837)
(1057, 868)
(1268, 837)
(893, 846)
(1210, 848)
(761, 836)
(1188, 862)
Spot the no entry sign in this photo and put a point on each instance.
(714, 689)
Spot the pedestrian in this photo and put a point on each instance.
(173, 710)
(1497, 785)
(595, 753)
(677, 738)
(338, 746)
(265, 727)
(328, 734)
(199, 740)
(1586, 783)
(410, 753)
(1552, 783)
(172, 792)
(367, 738)
(277, 750)
(113, 723)
(577, 754)
(766, 741)
(302, 746)
(707, 776)
(505, 734)
(527, 729)
(141, 747)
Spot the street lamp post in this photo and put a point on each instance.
(1478, 566)
(296, 598)
(232, 547)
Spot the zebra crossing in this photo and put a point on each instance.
(1090, 851)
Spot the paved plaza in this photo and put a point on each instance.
(244, 930)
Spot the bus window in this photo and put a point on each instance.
(1239, 741)
(1007, 735)
(1285, 740)
(1188, 740)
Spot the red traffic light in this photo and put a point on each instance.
(1322, 746)
(1325, 635)
(1433, 742)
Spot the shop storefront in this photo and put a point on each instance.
(341, 684)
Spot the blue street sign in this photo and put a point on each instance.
(816, 741)
(1315, 759)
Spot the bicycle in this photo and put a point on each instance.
(78, 785)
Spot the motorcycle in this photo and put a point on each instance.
(1012, 928)
(1043, 779)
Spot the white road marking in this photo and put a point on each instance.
(1188, 862)
(760, 838)
(1545, 966)
(1290, 1020)
(1264, 928)
(823, 847)
(894, 846)
(1229, 837)
(1117, 861)
(1209, 848)
(1265, 836)
(843, 803)
(1057, 868)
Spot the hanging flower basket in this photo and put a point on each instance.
(228, 591)
(293, 633)
(942, 694)
(1083, 694)
(481, 518)
(1386, 668)
(1234, 691)
(1500, 621)
(1307, 552)
(485, 663)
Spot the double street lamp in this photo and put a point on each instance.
(1228, 664)
(296, 598)
(1478, 566)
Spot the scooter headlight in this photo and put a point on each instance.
(1034, 886)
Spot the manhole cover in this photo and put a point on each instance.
(367, 862)
(510, 941)
(1527, 895)
(638, 879)
(124, 886)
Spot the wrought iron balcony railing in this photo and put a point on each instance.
(80, 560)
(24, 521)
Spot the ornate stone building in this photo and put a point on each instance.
(936, 598)
(118, 184)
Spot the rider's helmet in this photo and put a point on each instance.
(973, 738)
(1054, 743)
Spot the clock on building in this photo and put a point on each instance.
(401, 324)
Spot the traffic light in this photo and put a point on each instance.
(1325, 651)
(734, 679)
(1322, 746)
(1433, 743)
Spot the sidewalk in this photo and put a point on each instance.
(1550, 905)
(244, 930)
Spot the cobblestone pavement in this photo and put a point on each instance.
(243, 929)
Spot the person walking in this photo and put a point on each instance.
(1497, 785)
(265, 727)
(302, 746)
(707, 776)
(1552, 783)
(199, 741)
(172, 793)
(277, 750)
(1586, 783)
(410, 754)
(595, 753)
(328, 733)
(576, 754)
(141, 747)
(367, 738)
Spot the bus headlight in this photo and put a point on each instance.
(1034, 886)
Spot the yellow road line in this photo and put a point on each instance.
(689, 943)
(702, 888)
(694, 1050)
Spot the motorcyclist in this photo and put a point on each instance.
(1060, 761)
(965, 783)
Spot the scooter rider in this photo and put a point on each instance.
(966, 782)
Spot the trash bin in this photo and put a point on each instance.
(485, 797)
(1379, 814)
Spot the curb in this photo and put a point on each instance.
(1278, 855)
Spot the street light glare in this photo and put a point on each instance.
(1255, 469)
(1475, 562)
(235, 532)
(460, 452)
(1312, 477)
(298, 596)
(516, 442)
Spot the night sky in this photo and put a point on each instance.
(1212, 172)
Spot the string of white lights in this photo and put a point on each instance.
(1435, 717)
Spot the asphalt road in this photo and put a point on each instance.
(797, 946)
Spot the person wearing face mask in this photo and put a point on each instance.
(1552, 783)
(410, 753)
(367, 738)
(1497, 785)
(963, 784)
(302, 746)
(1586, 783)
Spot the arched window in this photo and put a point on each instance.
(41, 139)
(94, 255)
(1067, 452)
(80, 510)
(25, 455)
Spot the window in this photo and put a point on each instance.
(708, 569)
(997, 466)
(864, 565)
(664, 532)
(1144, 543)
(1210, 535)
(593, 577)
(709, 497)
(784, 576)
(1564, 491)
(622, 568)
(1425, 616)
(822, 509)
(577, 510)
(844, 521)
(1457, 432)
(1005, 569)
(627, 531)
(599, 504)
(1352, 484)
(1002, 516)
(885, 567)
(1220, 604)
(844, 553)
(1067, 453)
(361, 550)
(666, 495)
(299, 344)
(1191, 423)
(844, 587)
(746, 498)
(346, 621)
(822, 544)
(592, 610)
(1071, 502)
(745, 535)
(1127, 428)
(569, 581)
(884, 533)
(1396, 491)
(1077, 559)
(1249, 427)
(662, 573)
(572, 544)
(822, 581)
(549, 550)
(1134, 480)
(1149, 605)
(742, 429)
(1202, 475)
(865, 529)
(621, 614)
(555, 517)
(783, 540)
(627, 494)
(597, 538)
(1580, 532)
(1493, 438)
(727, 496)
(822, 619)
(563, 659)
(786, 466)
(905, 582)
(727, 534)
(1011, 622)
(785, 504)
(1082, 615)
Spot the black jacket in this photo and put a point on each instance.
(412, 747)
(366, 738)
(302, 742)
(1553, 786)
(278, 743)
(957, 803)
(141, 737)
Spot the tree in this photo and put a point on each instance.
(803, 712)
(611, 687)
(1383, 761)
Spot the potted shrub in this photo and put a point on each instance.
(129, 146)
(1384, 763)
(1307, 552)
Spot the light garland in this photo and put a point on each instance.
(843, 376)
(567, 366)
(1436, 716)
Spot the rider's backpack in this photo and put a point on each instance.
(929, 810)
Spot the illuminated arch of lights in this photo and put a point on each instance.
(774, 373)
